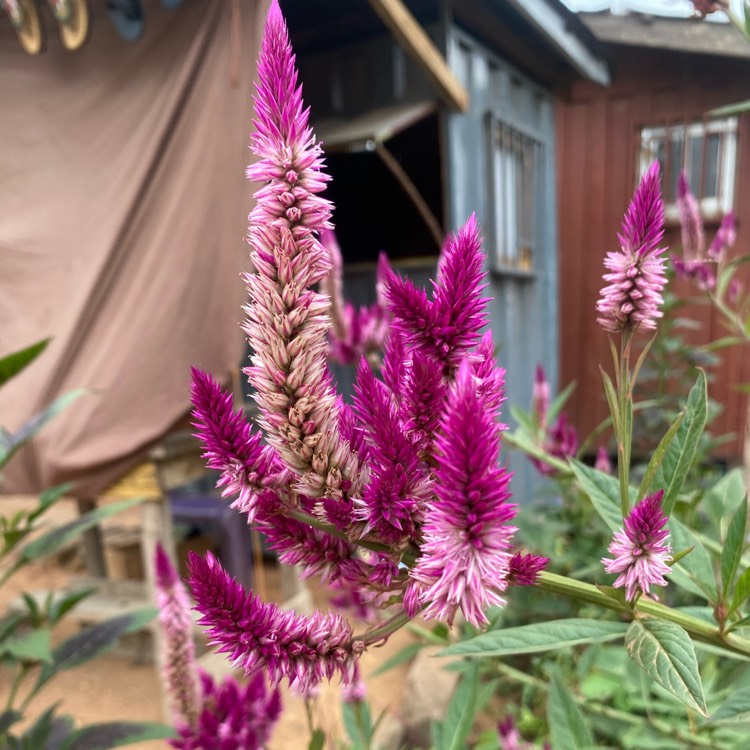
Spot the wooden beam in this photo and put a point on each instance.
(415, 41)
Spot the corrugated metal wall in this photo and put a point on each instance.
(598, 141)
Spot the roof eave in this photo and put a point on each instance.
(553, 24)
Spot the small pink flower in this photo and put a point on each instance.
(641, 549)
(603, 463)
(524, 570)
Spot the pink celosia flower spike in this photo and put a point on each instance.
(257, 635)
(233, 717)
(465, 559)
(247, 466)
(603, 463)
(641, 549)
(724, 239)
(691, 223)
(287, 320)
(524, 570)
(179, 668)
(540, 396)
(448, 326)
(632, 297)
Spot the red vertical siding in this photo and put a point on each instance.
(598, 139)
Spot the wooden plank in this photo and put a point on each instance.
(415, 41)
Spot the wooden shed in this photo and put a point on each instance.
(666, 76)
(451, 113)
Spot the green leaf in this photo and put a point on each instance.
(357, 725)
(407, 653)
(539, 636)
(8, 718)
(697, 565)
(33, 645)
(12, 364)
(604, 492)
(567, 727)
(93, 642)
(734, 544)
(741, 590)
(317, 740)
(611, 393)
(656, 460)
(723, 499)
(732, 109)
(9, 444)
(63, 604)
(459, 716)
(665, 652)
(48, 498)
(53, 540)
(679, 457)
(559, 401)
(115, 734)
(735, 708)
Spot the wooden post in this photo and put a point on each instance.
(414, 39)
(93, 545)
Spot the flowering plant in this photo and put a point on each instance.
(400, 497)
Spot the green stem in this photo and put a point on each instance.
(698, 629)
(625, 431)
(15, 687)
(310, 520)
(390, 626)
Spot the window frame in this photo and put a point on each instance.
(500, 262)
(712, 208)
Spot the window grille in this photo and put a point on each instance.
(515, 162)
(707, 152)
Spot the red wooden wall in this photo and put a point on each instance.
(598, 138)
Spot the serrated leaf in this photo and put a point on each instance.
(14, 363)
(459, 716)
(407, 653)
(33, 645)
(734, 544)
(604, 492)
(697, 565)
(735, 708)
(93, 642)
(537, 637)
(567, 727)
(679, 457)
(115, 734)
(58, 537)
(665, 652)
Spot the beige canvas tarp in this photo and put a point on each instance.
(123, 208)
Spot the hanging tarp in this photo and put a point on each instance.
(123, 209)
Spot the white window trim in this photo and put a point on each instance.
(712, 208)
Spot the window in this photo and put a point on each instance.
(706, 151)
(514, 165)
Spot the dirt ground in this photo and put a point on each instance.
(116, 687)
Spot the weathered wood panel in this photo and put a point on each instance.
(598, 137)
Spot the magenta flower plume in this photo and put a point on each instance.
(641, 549)
(632, 297)
(425, 392)
(540, 397)
(287, 321)
(263, 636)
(247, 466)
(724, 239)
(524, 570)
(603, 463)
(465, 559)
(179, 668)
(398, 485)
(232, 717)
(448, 326)
(691, 223)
